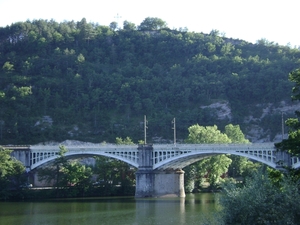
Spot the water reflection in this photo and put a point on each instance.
(189, 210)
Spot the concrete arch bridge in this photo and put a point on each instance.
(159, 167)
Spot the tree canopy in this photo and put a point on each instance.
(213, 167)
(64, 173)
(260, 201)
(292, 143)
(152, 23)
(206, 135)
(11, 171)
(87, 81)
(235, 134)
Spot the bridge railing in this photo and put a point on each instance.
(85, 147)
(257, 146)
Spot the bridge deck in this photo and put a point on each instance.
(163, 156)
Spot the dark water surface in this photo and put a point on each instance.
(194, 209)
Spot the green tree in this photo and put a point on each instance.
(241, 167)
(78, 176)
(235, 134)
(206, 135)
(128, 25)
(113, 25)
(114, 172)
(11, 173)
(55, 172)
(260, 201)
(126, 141)
(211, 167)
(8, 67)
(152, 23)
(215, 166)
(85, 30)
(66, 174)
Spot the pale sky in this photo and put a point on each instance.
(249, 20)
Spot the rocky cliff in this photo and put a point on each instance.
(264, 122)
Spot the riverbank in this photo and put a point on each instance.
(29, 194)
(67, 192)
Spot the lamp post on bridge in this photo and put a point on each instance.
(174, 128)
(145, 130)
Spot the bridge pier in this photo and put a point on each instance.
(152, 183)
(282, 160)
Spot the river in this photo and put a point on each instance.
(194, 209)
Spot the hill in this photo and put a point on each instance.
(84, 81)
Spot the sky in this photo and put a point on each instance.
(250, 20)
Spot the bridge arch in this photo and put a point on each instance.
(39, 160)
(165, 157)
(182, 161)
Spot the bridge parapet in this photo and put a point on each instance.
(257, 146)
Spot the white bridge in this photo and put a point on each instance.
(159, 167)
(166, 156)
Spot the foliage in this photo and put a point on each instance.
(235, 134)
(54, 173)
(126, 141)
(191, 176)
(114, 172)
(94, 82)
(241, 167)
(151, 23)
(214, 167)
(260, 201)
(275, 176)
(11, 173)
(66, 174)
(206, 135)
(75, 178)
(292, 144)
(78, 176)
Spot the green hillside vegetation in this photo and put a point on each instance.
(94, 83)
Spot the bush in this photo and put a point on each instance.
(260, 202)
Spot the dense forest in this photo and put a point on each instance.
(85, 81)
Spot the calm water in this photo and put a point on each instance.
(194, 209)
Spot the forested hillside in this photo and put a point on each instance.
(85, 81)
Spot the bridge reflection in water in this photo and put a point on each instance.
(194, 209)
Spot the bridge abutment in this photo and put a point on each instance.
(21, 153)
(152, 183)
